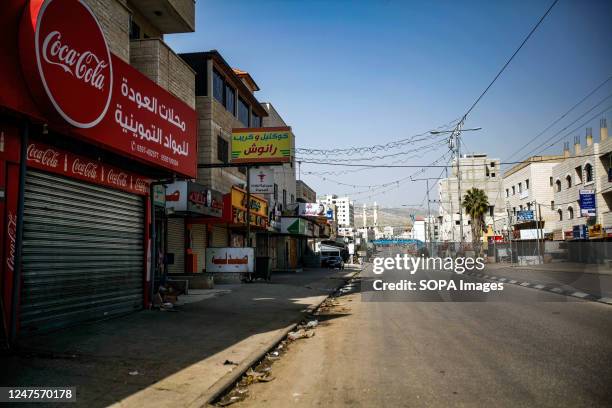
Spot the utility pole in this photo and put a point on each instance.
(457, 141)
(248, 206)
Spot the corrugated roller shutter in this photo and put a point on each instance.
(219, 237)
(176, 244)
(198, 244)
(83, 255)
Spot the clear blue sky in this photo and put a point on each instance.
(356, 73)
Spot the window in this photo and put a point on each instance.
(491, 210)
(578, 174)
(588, 172)
(275, 192)
(507, 193)
(570, 213)
(568, 181)
(514, 210)
(550, 181)
(292, 198)
(218, 87)
(527, 184)
(492, 174)
(552, 205)
(513, 190)
(255, 120)
(230, 99)
(558, 183)
(492, 165)
(560, 214)
(243, 112)
(284, 197)
(134, 30)
(520, 187)
(222, 150)
(521, 207)
(528, 206)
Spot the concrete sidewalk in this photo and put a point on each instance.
(595, 280)
(159, 359)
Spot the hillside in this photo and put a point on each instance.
(395, 217)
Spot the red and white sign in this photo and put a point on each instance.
(262, 180)
(72, 60)
(50, 159)
(84, 90)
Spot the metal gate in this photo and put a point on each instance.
(176, 245)
(219, 237)
(198, 244)
(83, 254)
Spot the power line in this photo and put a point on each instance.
(509, 60)
(597, 88)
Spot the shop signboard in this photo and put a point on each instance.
(311, 210)
(159, 195)
(293, 225)
(75, 84)
(236, 260)
(193, 199)
(596, 231)
(262, 145)
(580, 232)
(261, 180)
(524, 215)
(587, 203)
(236, 209)
(51, 159)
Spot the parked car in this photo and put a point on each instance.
(333, 262)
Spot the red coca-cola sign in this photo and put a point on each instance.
(71, 58)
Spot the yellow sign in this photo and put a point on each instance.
(259, 209)
(262, 145)
(596, 231)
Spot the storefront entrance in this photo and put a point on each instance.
(83, 247)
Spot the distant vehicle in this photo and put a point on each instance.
(333, 262)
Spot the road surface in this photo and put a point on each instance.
(523, 348)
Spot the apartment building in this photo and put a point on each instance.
(225, 100)
(475, 170)
(585, 170)
(344, 209)
(528, 195)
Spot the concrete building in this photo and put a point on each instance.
(526, 185)
(303, 193)
(224, 100)
(284, 176)
(344, 209)
(586, 169)
(475, 170)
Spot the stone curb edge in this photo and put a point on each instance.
(539, 286)
(229, 379)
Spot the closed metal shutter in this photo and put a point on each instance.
(219, 237)
(198, 244)
(83, 255)
(176, 244)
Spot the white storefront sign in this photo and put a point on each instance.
(240, 260)
(262, 180)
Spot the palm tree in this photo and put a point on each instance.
(476, 205)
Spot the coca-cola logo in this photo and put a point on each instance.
(11, 229)
(73, 60)
(85, 169)
(141, 185)
(46, 157)
(117, 178)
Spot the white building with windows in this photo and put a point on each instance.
(526, 185)
(475, 170)
(586, 169)
(344, 209)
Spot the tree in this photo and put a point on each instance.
(476, 205)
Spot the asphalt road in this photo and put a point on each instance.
(517, 348)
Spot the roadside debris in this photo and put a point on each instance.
(312, 324)
(229, 362)
(133, 373)
(300, 334)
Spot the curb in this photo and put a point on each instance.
(229, 379)
(544, 287)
